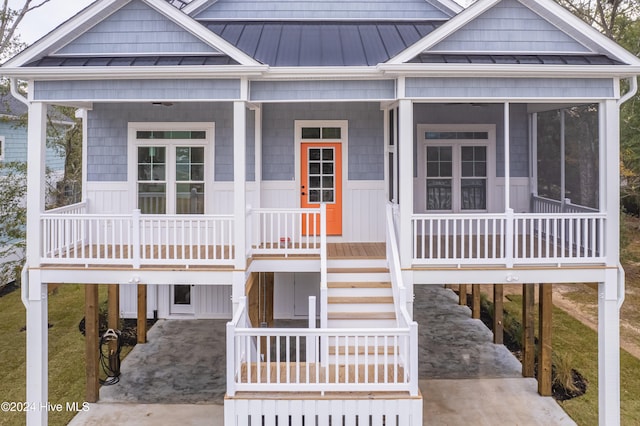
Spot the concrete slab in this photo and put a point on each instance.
(489, 402)
(104, 414)
(179, 376)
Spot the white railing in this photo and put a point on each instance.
(135, 239)
(546, 205)
(285, 231)
(508, 238)
(410, 358)
(78, 208)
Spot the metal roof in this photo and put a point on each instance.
(180, 4)
(431, 58)
(308, 44)
(131, 61)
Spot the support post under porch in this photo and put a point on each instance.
(92, 342)
(545, 307)
(528, 332)
(37, 351)
(608, 351)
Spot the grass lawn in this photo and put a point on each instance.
(580, 343)
(66, 351)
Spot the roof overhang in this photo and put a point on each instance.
(512, 71)
(119, 73)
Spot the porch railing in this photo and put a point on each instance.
(285, 231)
(509, 238)
(136, 240)
(546, 205)
(275, 359)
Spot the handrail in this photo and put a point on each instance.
(324, 298)
(564, 206)
(24, 286)
(621, 285)
(77, 208)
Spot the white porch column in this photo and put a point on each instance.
(258, 155)
(239, 197)
(507, 158)
(608, 351)
(405, 177)
(36, 147)
(37, 351)
(611, 174)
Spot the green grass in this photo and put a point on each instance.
(571, 336)
(66, 352)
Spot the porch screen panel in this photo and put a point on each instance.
(152, 179)
(473, 182)
(190, 180)
(439, 177)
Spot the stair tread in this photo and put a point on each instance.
(359, 284)
(355, 300)
(365, 270)
(361, 315)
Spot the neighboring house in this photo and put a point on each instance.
(344, 149)
(13, 148)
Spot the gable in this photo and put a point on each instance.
(509, 26)
(136, 28)
(328, 10)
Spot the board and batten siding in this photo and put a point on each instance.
(322, 90)
(329, 10)
(131, 90)
(136, 29)
(365, 128)
(509, 26)
(483, 114)
(108, 132)
(509, 88)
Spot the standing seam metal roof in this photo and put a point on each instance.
(308, 44)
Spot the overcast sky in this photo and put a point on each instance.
(41, 21)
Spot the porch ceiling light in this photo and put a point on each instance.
(165, 104)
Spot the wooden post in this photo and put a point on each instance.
(475, 307)
(142, 313)
(528, 335)
(498, 314)
(462, 294)
(91, 342)
(113, 311)
(544, 337)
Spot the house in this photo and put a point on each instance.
(242, 150)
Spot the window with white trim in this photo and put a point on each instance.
(454, 171)
(171, 170)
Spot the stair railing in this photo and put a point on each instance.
(403, 317)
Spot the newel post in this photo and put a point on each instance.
(509, 238)
(135, 238)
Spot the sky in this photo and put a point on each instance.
(41, 21)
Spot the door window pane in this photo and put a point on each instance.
(190, 198)
(181, 294)
(321, 179)
(473, 193)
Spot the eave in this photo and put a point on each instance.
(120, 73)
(508, 70)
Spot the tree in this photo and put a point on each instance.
(10, 19)
(605, 15)
(13, 216)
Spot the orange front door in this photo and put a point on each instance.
(321, 181)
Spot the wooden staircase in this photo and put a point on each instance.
(360, 297)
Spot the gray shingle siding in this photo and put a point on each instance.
(136, 28)
(136, 89)
(366, 143)
(325, 90)
(485, 114)
(329, 9)
(509, 87)
(509, 27)
(107, 135)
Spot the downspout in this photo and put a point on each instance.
(633, 89)
(16, 94)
